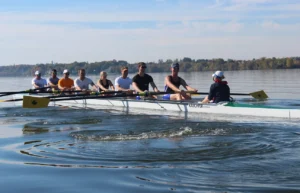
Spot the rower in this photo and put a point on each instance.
(53, 80)
(103, 83)
(219, 90)
(38, 81)
(173, 83)
(66, 83)
(82, 83)
(123, 82)
(141, 80)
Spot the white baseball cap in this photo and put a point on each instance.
(218, 74)
(65, 71)
(37, 72)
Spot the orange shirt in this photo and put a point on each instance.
(68, 83)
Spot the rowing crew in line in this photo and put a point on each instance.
(141, 81)
(219, 90)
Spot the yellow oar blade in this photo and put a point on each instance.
(259, 95)
(35, 102)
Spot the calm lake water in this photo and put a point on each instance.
(86, 150)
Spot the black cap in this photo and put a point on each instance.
(175, 65)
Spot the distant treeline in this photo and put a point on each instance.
(186, 65)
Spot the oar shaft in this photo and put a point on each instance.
(110, 96)
(121, 94)
(241, 94)
(25, 91)
(206, 93)
(79, 97)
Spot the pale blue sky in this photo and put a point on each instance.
(39, 31)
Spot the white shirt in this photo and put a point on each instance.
(40, 82)
(83, 84)
(123, 83)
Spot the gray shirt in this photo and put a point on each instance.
(53, 80)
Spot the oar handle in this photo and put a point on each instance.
(241, 94)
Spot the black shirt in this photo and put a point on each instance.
(142, 81)
(108, 83)
(177, 84)
(219, 92)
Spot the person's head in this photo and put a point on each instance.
(142, 67)
(81, 73)
(103, 75)
(37, 74)
(53, 73)
(175, 68)
(218, 75)
(124, 71)
(66, 73)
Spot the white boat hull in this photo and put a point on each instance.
(192, 107)
(174, 106)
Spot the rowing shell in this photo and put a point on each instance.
(224, 108)
(186, 106)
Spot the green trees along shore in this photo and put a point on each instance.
(186, 65)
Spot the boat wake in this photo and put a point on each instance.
(113, 136)
(168, 131)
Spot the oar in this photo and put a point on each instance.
(24, 91)
(257, 95)
(68, 96)
(123, 94)
(60, 92)
(42, 102)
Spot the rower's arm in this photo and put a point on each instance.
(187, 87)
(94, 86)
(51, 84)
(205, 100)
(111, 85)
(60, 87)
(118, 88)
(35, 85)
(76, 86)
(170, 85)
(210, 95)
(136, 88)
(100, 86)
(154, 87)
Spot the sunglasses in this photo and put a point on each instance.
(143, 66)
